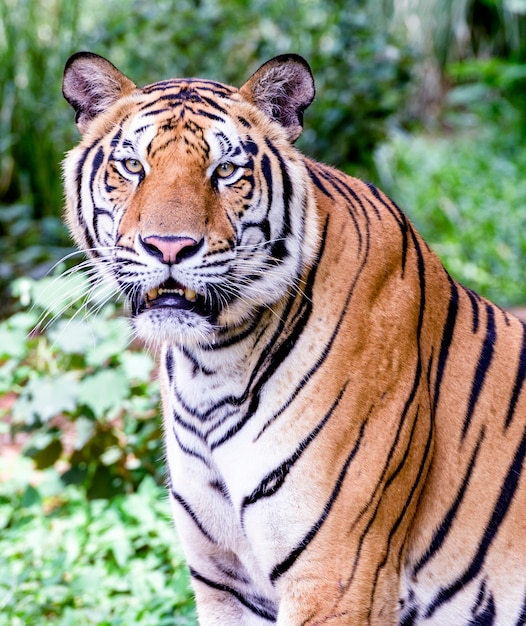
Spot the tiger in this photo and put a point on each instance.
(344, 423)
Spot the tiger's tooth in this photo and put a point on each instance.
(190, 295)
(179, 292)
(153, 293)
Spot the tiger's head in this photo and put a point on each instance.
(189, 195)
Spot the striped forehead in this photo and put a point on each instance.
(193, 111)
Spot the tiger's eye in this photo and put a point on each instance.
(225, 170)
(133, 166)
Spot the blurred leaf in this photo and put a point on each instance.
(85, 429)
(52, 294)
(466, 194)
(73, 336)
(12, 342)
(111, 455)
(113, 337)
(14, 333)
(46, 397)
(103, 391)
(30, 497)
(138, 366)
(44, 448)
(56, 560)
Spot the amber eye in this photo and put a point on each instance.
(133, 166)
(225, 170)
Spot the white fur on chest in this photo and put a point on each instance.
(218, 452)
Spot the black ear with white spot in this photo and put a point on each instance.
(283, 88)
(91, 84)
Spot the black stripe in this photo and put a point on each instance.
(189, 451)
(186, 425)
(210, 116)
(447, 522)
(398, 215)
(287, 188)
(96, 163)
(258, 605)
(373, 207)
(343, 314)
(507, 493)
(287, 563)
(188, 509)
(197, 366)
(474, 299)
(345, 191)
(241, 332)
(78, 179)
(220, 487)
(420, 476)
(154, 111)
(162, 85)
(266, 168)
(519, 380)
(299, 322)
(264, 227)
(275, 479)
(215, 105)
(318, 182)
(218, 89)
(98, 211)
(409, 402)
(484, 363)
(116, 138)
(172, 100)
(447, 338)
(205, 415)
(483, 611)
(169, 364)
(219, 422)
(250, 146)
(278, 355)
(245, 123)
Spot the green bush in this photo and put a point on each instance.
(81, 397)
(466, 193)
(359, 70)
(68, 561)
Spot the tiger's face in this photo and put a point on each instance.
(188, 194)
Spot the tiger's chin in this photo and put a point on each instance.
(171, 325)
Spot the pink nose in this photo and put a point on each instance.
(171, 249)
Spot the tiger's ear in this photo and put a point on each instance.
(91, 84)
(283, 88)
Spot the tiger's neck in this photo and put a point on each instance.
(211, 391)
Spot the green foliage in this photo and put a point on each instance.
(82, 397)
(85, 535)
(360, 71)
(501, 82)
(466, 194)
(34, 39)
(68, 561)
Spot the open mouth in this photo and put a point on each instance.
(173, 295)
